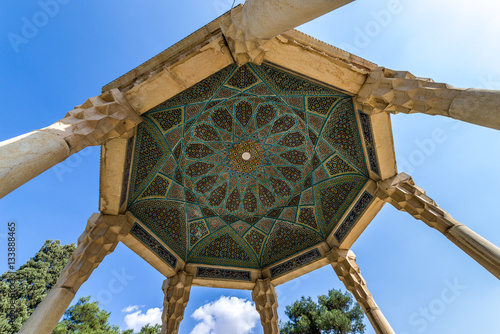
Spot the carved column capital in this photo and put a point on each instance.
(248, 28)
(344, 263)
(401, 91)
(97, 121)
(101, 235)
(176, 289)
(244, 45)
(265, 297)
(404, 195)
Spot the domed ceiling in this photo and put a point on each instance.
(247, 167)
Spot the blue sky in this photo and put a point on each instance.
(421, 281)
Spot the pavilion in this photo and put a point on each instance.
(244, 156)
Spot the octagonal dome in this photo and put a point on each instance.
(248, 167)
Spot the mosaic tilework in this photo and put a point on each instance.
(229, 274)
(341, 132)
(336, 165)
(321, 105)
(168, 119)
(260, 164)
(225, 247)
(283, 124)
(154, 245)
(293, 139)
(358, 209)
(242, 78)
(233, 200)
(240, 227)
(287, 239)
(307, 216)
(333, 197)
(250, 201)
(167, 219)
(197, 231)
(198, 151)
(157, 188)
(295, 263)
(265, 114)
(256, 240)
(370, 145)
(151, 152)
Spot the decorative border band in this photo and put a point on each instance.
(154, 245)
(370, 146)
(294, 263)
(358, 209)
(230, 274)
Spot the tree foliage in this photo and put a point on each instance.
(333, 314)
(85, 317)
(22, 290)
(156, 329)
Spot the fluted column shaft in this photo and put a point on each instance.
(99, 239)
(404, 195)
(265, 297)
(176, 290)
(95, 122)
(260, 20)
(402, 92)
(344, 263)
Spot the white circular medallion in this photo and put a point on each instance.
(246, 156)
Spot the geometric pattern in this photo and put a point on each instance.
(353, 216)
(207, 272)
(295, 263)
(370, 146)
(248, 167)
(154, 245)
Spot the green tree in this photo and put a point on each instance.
(85, 317)
(156, 329)
(22, 290)
(333, 314)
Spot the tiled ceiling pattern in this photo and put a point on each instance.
(247, 167)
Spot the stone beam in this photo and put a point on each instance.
(99, 239)
(265, 297)
(95, 122)
(404, 195)
(176, 289)
(344, 263)
(399, 91)
(248, 30)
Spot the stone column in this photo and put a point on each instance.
(100, 238)
(266, 302)
(176, 290)
(98, 120)
(399, 91)
(404, 195)
(260, 20)
(344, 263)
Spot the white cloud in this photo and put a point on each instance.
(226, 315)
(131, 308)
(137, 320)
